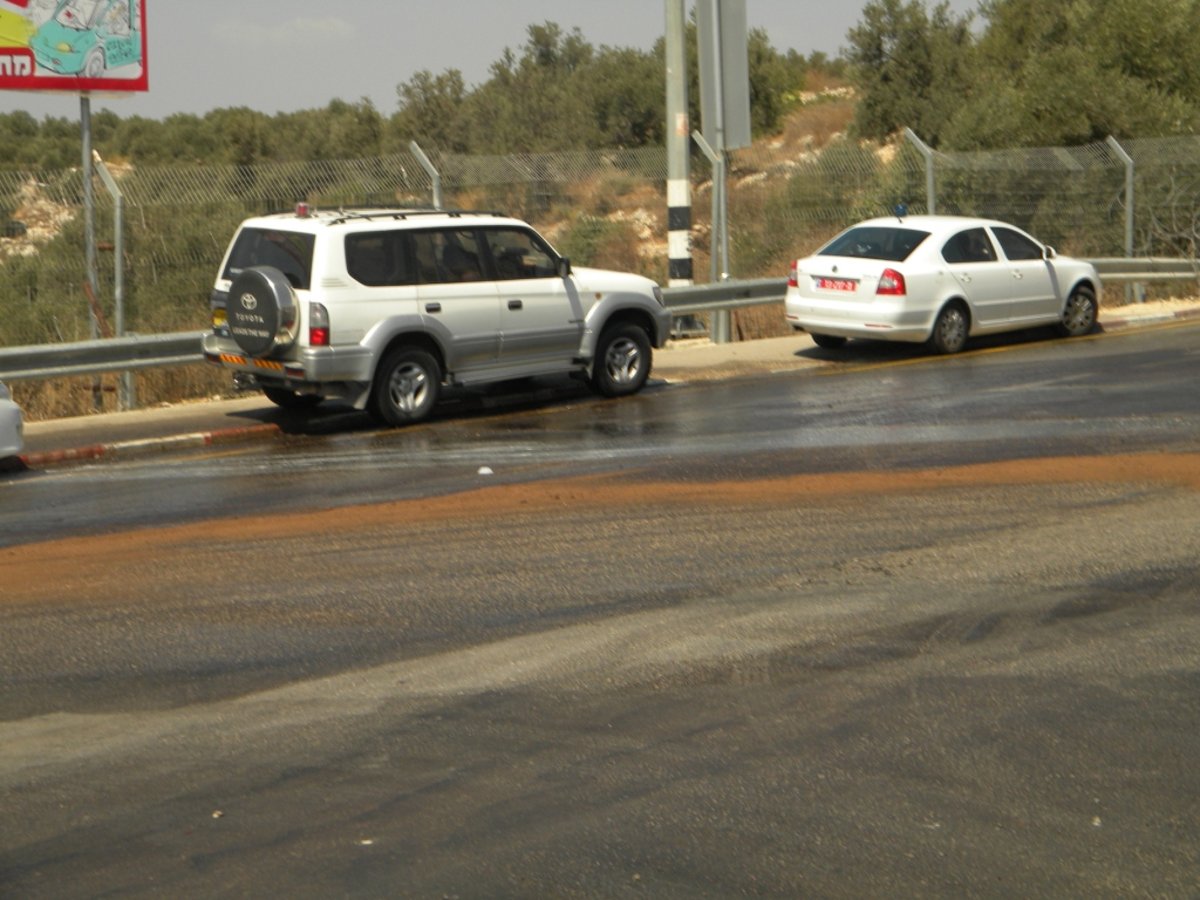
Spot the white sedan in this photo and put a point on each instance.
(11, 429)
(939, 280)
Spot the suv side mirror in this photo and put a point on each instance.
(1050, 253)
(564, 267)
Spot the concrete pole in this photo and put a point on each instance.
(679, 189)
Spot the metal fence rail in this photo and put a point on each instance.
(183, 348)
(100, 356)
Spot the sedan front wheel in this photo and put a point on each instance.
(1079, 315)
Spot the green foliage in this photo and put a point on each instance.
(909, 67)
(1041, 73)
(557, 92)
(603, 243)
(432, 111)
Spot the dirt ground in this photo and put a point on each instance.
(86, 575)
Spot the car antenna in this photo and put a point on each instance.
(901, 211)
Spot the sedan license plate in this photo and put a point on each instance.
(837, 284)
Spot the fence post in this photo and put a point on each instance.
(431, 169)
(1138, 291)
(930, 186)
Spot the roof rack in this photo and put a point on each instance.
(370, 213)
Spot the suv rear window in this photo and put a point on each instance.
(289, 251)
(876, 242)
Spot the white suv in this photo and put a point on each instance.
(381, 308)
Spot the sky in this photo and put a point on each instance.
(288, 55)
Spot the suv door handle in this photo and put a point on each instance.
(515, 304)
(433, 307)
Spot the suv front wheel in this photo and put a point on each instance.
(622, 361)
(407, 384)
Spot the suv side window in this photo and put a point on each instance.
(381, 258)
(456, 256)
(1016, 246)
(970, 246)
(520, 254)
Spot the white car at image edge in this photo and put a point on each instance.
(11, 428)
(938, 280)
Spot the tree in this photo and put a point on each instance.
(774, 79)
(1042, 72)
(431, 111)
(627, 97)
(909, 67)
(1076, 72)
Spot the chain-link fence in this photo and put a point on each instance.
(603, 207)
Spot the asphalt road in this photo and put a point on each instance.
(898, 626)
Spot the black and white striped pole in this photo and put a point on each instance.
(679, 186)
(679, 189)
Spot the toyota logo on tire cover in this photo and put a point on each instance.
(262, 310)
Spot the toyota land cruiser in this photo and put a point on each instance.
(383, 308)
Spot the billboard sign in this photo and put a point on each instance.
(73, 45)
(724, 73)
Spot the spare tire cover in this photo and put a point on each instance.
(261, 310)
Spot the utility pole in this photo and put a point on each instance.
(679, 189)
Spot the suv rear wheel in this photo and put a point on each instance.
(285, 399)
(407, 384)
(622, 360)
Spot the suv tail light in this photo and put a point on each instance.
(318, 325)
(891, 283)
(792, 282)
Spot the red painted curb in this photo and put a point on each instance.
(97, 451)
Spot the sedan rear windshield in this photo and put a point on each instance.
(876, 242)
(288, 251)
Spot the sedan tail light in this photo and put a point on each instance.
(891, 283)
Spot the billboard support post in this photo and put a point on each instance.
(89, 228)
(82, 46)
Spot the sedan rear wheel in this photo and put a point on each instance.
(950, 329)
(828, 341)
(1079, 315)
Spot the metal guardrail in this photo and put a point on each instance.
(1146, 269)
(724, 295)
(99, 356)
(183, 348)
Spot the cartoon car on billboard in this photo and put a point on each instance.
(89, 37)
